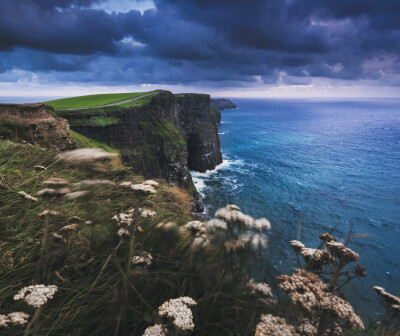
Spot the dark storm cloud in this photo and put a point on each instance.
(230, 42)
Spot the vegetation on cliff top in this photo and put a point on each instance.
(91, 100)
(94, 111)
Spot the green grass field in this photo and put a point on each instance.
(91, 100)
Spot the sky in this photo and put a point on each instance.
(232, 48)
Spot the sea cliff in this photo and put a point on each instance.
(165, 138)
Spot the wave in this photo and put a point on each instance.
(199, 179)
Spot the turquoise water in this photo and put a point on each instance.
(332, 163)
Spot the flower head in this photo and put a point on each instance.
(216, 225)
(341, 251)
(57, 182)
(36, 295)
(142, 258)
(27, 196)
(123, 232)
(273, 326)
(155, 330)
(4, 320)
(179, 310)
(84, 156)
(18, 318)
(261, 287)
(262, 224)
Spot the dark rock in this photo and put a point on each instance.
(223, 104)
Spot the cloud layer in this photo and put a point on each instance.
(209, 43)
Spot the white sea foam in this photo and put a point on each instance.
(199, 179)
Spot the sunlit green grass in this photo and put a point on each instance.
(91, 100)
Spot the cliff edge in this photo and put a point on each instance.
(223, 104)
(167, 137)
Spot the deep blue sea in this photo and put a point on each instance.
(331, 163)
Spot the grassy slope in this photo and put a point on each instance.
(91, 100)
(102, 110)
(74, 271)
(85, 142)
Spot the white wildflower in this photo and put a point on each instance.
(39, 168)
(142, 258)
(27, 196)
(258, 241)
(55, 181)
(166, 226)
(53, 192)
(18, 318)
(262, 224)
(123, 232)
(156, 330)
(151, 183)
(69, 228)
(125, 184)
(273, 326)
(75, 194)
(261, 287)
(4, 320)
(84, 156)
(56, 236)
(49, 213)
(145, 213)
(93, 183)
(123, 219)
(36, 295)
(144, 188)
(215, 225)
(179, 310)
(230, 214)
(196, 226)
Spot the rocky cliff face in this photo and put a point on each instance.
(33, 123)
(165, 138)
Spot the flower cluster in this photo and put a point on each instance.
(166, 226)
(156, 330)
(179, 310)
(261, 287)
(342, 252)
(36, 295)
(273, 326)
(199, 232)
(391, 301)
(55, 187)
(27, 196)
(17, 318)
(147, 187)
(146, 213)
(232, 213)
(307, 290)
(142, 258)
(315, 256)
(306, 328)
(93, 183)
(123, 219)
(85, 156)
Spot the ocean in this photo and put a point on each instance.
(331, 164)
